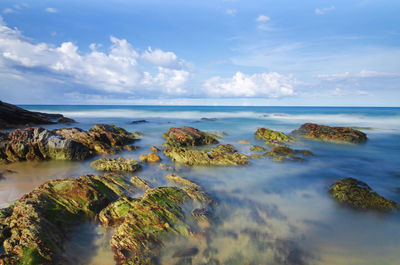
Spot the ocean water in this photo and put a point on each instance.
(268, 212)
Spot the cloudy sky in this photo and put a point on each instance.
(224, 52)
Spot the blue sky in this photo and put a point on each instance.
(227, 52)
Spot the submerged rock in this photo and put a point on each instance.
(243, 142)
(138, 121)
(34, 228)
(188, 136)
(116, 164)
(181, 181)
(151, 158)
(101, 138)
(257, 148)
(208, 119)
(12, 116)
(272, 137)
(154, 149)
(145, 222)
(36, 143)
(283, 153)
(330, 134)
(221, 155)
(358, 194)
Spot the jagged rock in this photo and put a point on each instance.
(181, 181)
(147, 221)
(12, 116)
(154, 149)
(34, 228)
(140, 183)
(188, 136)
(272, 137)
(221, 155)
(330, 134)
(358, 194)
(36, 143)
(101, 138)
(151, 158)
(257, 148)
(283, 153)
(116, 164)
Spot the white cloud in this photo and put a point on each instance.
(119, 70)
(8, 10)
(231, 12)
(263, 18)
(51, 10)
(269, 85)
(324, 10)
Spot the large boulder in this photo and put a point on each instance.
(36, 143)
(33, 230)
(101, 138)
(12, 116)
(330, 134)
(272, 137)
(221, 155)
(142, 224)
(188, 136)
(359, 195)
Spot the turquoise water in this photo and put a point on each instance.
(270, 213)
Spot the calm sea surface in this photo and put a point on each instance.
(269, 212)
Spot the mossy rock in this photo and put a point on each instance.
(284, 153)
(37, 224)
(257, 148)
(116, 165)
(221, 155)
(188, 136)
(272, 137)
(181, 181)
(330, 134)
(139, 183)
(359, 195)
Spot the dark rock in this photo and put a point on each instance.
(330, 134)
(186, 252)
(359, 195)
(65, 120)
(283, 153)
(138, 121)
(12, 116)
(208, 119)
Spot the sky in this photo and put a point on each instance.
(220, 52)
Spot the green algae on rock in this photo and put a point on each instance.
(181, 181)
(116, 165)
(272, 137)
(283, 153)
(37, 143)
(257, 148)
(35, 227)
(330, 134)
(101, 138)
(221, 155)
(140, 183)
(187, 136)
(145, 222)
(359, 195)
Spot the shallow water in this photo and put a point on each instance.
(268, 212)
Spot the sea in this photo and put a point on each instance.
(268, 212)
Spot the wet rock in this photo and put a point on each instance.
(116, 165)
(221, 155)
(181, 181)
(283, 153)
(159, 213)
(243, 142)
(140, 183)
(35, 227)
(166, 167)
(257, 148)
(188, 136)
(272, 137)
(359, 195)
(12, 116)
(154, 149)
(36, 143)
(101, 138)
(151, 158)
(208, 119)
(330, 134)
(65, 120)
(138, 121)
(186, 252)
